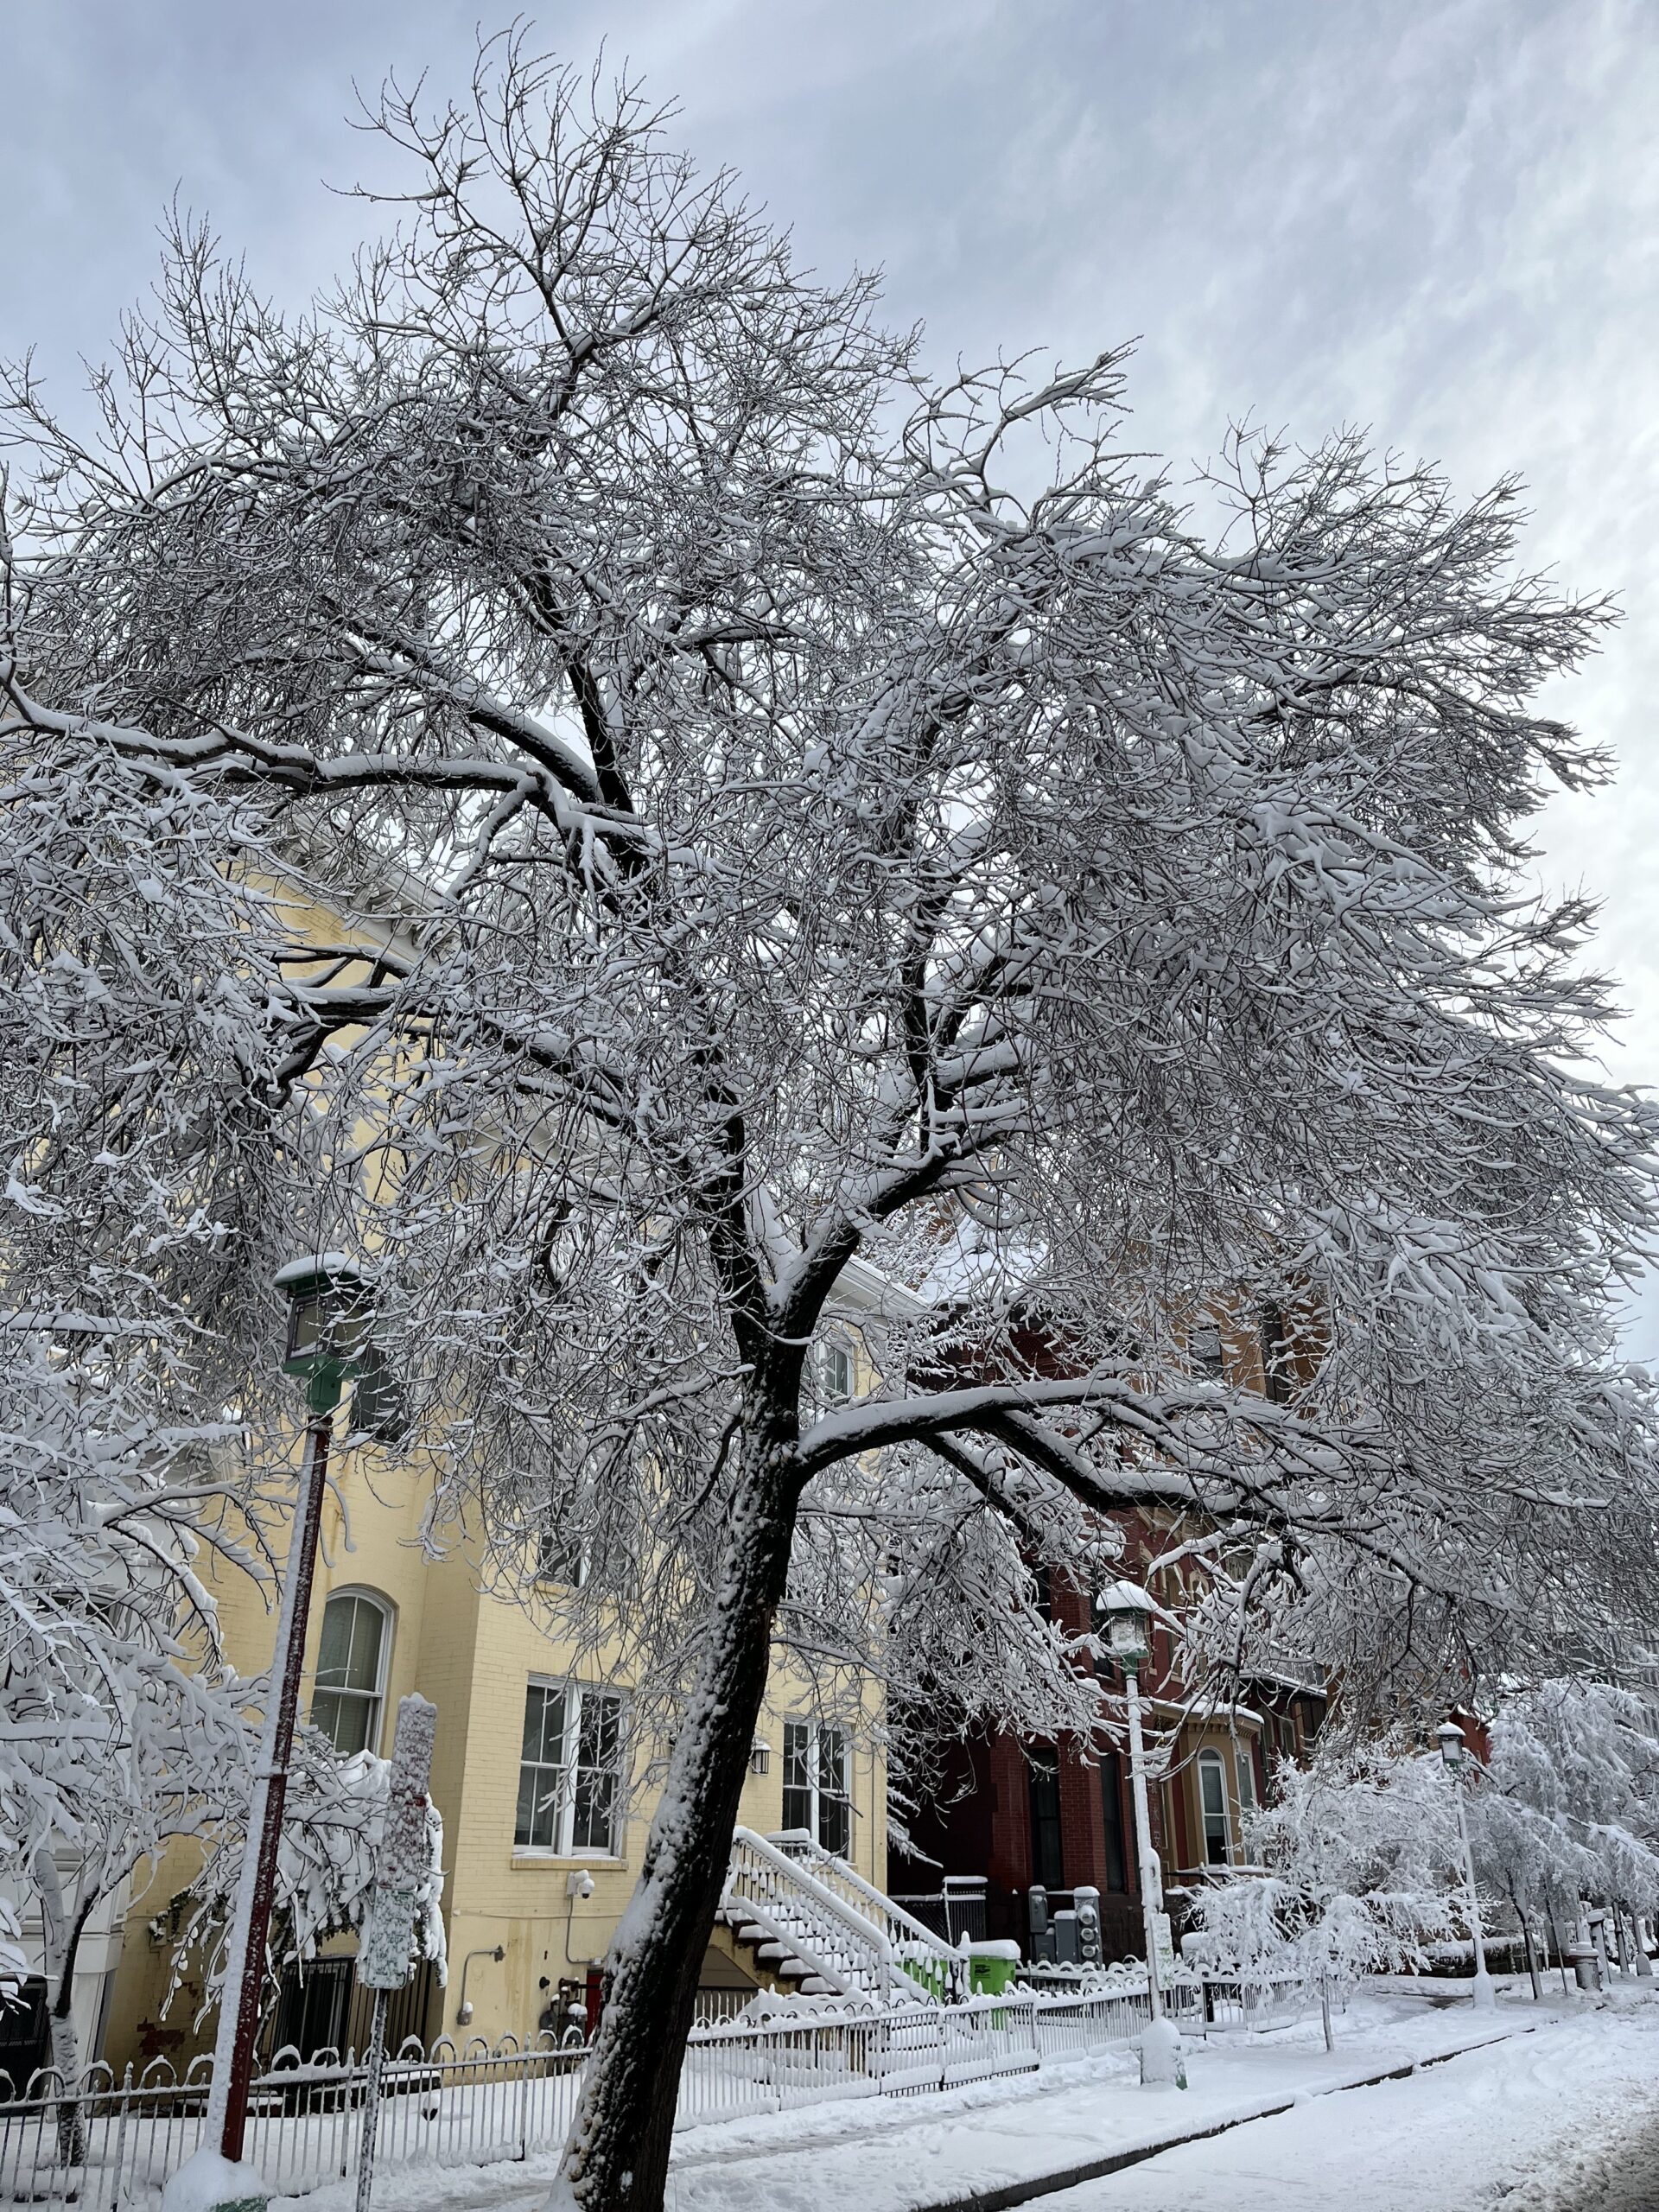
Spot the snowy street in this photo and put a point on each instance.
(1565, 2120)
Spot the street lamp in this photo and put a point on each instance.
(1127, 1611)
(327, 1343)
(1449, 1736)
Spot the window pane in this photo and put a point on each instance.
(544, 1725)
(559, 1559)
(835, 1373)
(1112, 1806)
(523, 1817)
(349, 1723)
(594, 1825)
(835, 1811)
(368, 1625)
(348, 1656)
(797, 1739)
(797, 1776)
(598, 1732)
(832, 1761)
(1047, 1862)
(541, 1777)
(334, 1651)
(1213, 1794)
(599, 1740)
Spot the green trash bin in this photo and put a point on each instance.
(991, 1968)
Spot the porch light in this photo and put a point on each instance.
(1128, 1621)
(1449, 1736)
(759, 1755)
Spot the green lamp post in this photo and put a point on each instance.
(1453, 1750)
(327, 1345)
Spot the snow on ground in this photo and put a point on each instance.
(902, 2156)
(1545, 2111)
(1558, 2121)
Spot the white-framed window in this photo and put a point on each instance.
(1212, 1801)
(817, 1792)
(570, 1770)
(1244, 1759)
(833, 1370)
(349, 1695)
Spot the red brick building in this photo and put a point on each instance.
(1018, 1812)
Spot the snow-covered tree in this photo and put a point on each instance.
(1568, 1805)
(1361, 1857)
(327, 1866)
(697, 808)
(139, 1344)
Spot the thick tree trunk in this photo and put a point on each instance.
(617, 2157)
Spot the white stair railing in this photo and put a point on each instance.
(937, 1970)
(843, 1947)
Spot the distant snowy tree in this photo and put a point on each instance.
(682, 804)
(1568, 1806)
(1361, 1855)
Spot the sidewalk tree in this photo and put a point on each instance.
(773, 809)
(139, 1369)
(1568, 1805)
(1360, 1854)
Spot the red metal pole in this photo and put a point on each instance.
(233, 2067)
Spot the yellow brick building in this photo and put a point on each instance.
(518, 1717)
(537, 1775)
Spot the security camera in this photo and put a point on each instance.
(579, 1884)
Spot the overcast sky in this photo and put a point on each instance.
(1436, 218)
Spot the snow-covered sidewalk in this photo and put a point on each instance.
(1551, 2062)
(947, 2148)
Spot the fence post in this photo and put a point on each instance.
(121, 2134)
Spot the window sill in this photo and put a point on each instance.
(528, 1855)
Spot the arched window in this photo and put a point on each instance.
(351, 1684)
(1213, 1795)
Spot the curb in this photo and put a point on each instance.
(1010, 2193)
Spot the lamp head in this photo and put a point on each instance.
(1127, 1611)
(328, 1295)
(1449, 1736)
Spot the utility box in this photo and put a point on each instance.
(1090, 1950)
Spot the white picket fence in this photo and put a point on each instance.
(115, 2141)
